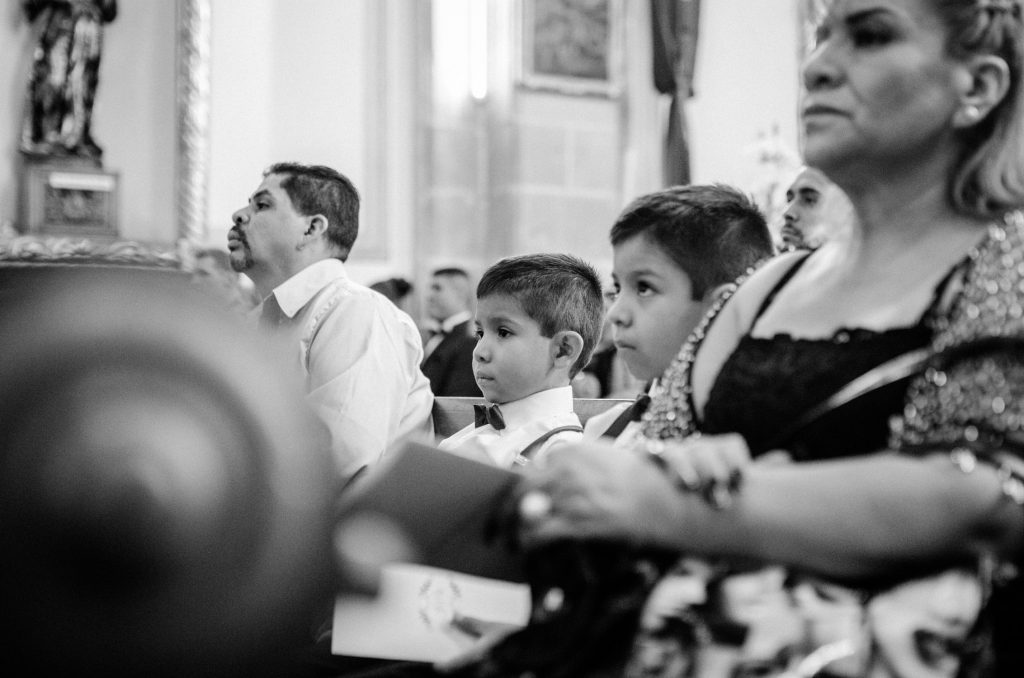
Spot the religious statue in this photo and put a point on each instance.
(65, 73)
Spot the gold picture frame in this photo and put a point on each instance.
(192, 101)
(570, 46)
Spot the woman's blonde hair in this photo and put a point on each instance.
(989, 179)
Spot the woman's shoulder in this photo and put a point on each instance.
(736, 317)
(754, 289)
(751, 293)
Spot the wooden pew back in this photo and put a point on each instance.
(454, 414)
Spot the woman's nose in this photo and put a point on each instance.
(821, 69)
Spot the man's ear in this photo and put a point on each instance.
(566, 347)
(316, 226)
(986, 80)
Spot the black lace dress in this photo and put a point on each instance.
(765, 386)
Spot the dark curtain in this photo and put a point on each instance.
(675, 24)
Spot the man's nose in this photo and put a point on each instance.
(239, 217)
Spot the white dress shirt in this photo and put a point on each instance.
(360, 355)
(526, 420)
(630, 437)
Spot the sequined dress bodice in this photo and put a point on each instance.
(769, 383)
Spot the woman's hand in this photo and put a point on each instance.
(596, 491)
(711, 465)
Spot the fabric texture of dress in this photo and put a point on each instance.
(952, 623)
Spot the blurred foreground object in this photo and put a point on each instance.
(164, 495)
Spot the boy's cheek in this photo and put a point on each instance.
(635, 363)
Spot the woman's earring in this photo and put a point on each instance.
(972, 113)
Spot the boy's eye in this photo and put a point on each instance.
(478, 333)
(643, 289)
(612, 294)
(811, 200)
(503, 332)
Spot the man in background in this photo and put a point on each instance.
(448, 348)
(816, 210)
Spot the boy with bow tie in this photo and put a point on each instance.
(538, 319)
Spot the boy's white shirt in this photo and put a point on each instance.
(526, 420)
(599, 423)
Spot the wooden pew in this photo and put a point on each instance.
(453, 414)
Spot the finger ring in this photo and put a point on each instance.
(534, 506)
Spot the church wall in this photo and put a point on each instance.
(342, 83)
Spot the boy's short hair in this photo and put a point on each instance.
(713, 232)
(317, 189)
(557, 291)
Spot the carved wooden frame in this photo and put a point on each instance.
(192, 100)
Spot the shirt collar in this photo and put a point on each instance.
(298, 290)
(541, 404)
(452, 322)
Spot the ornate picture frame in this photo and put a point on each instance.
(570, 46)
(94, 243)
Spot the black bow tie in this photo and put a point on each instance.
(488, 414)
(639, 406)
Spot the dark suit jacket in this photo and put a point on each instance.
(450, 367)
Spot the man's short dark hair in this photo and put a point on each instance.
(713, 232)
(317, 189)
(557, 291)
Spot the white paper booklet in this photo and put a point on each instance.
(411, 617)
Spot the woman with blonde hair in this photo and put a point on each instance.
(884, 365)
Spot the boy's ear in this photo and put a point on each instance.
(566, 347)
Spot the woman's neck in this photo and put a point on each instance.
(906, 219)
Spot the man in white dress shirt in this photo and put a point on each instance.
(359, 353)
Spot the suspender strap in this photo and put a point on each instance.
(620, 423)
(524, 457)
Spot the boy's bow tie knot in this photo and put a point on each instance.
(488, 414)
